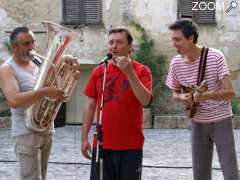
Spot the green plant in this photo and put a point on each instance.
(2, 99)
(157, 64)
(235, 107)
(5, 113)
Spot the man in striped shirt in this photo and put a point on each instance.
(212, 122)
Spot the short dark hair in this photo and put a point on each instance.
(188, 28)
(122, 29)
(16, 31)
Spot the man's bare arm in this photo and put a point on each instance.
(15, 98)
(224, 94)
(88, 117)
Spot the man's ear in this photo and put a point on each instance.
(13, 47)
(130, 49)
(191, 38)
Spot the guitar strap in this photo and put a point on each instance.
(202, 65)
(201, 71)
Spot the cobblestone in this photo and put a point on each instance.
(167, 156)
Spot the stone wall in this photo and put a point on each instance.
(159, 122)
(155, 16)
(171, 122)
(32, 12)
(182, 122)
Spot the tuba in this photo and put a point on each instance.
(57, 71)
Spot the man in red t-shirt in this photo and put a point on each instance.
(128, 88)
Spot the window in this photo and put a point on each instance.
(201, 11)
(80, 12)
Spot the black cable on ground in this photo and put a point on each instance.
(88, 164)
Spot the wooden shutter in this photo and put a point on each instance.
(73, 12)
(185, 9)
(93, 11)
(206, 16)
(76, 12)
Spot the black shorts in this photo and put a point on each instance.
(118, 165)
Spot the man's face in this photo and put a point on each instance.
(180, 42)
(23, 45)
(118, 44)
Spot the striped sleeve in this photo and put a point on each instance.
(222, 66)
(171, 80)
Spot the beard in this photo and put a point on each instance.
(27, 58)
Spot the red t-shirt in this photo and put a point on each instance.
(122, 119)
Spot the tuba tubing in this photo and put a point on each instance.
(56, 70)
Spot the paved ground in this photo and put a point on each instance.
(167, 156)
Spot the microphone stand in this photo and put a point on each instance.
(99, 150)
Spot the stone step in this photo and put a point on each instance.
(181, 122)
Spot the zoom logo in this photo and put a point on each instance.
(233, 5)
(212, 5)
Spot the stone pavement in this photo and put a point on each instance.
(167, 156)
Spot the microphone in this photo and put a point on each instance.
(106, 58)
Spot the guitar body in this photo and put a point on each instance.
(191, 110)
(202, 84)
